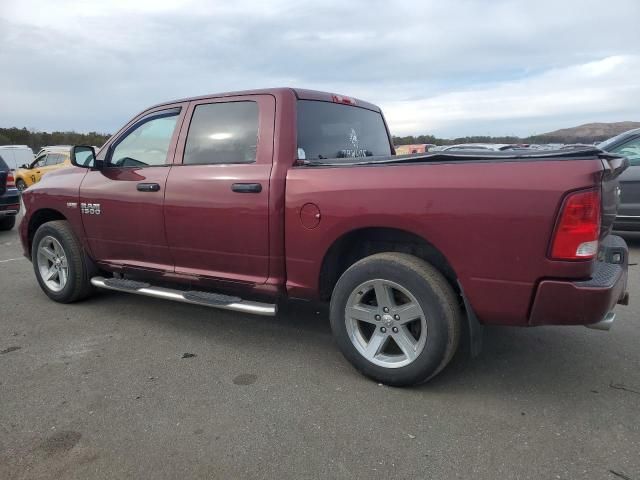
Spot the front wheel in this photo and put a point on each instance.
(21, 185)
(61, 266)
(395, 318)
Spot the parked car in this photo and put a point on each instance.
(236, 200)
(47, 160)
(415, 148)
(492, 147)
(627, 144)
(15, 155)
(9, 197)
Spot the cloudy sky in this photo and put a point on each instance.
(448, 68)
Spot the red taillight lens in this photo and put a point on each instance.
(11, 181)
(577, 231)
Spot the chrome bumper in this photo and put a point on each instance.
(604, 324)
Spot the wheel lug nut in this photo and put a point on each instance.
(383, 330)
(395, 329)
(377, 317)
(385, 310)
(397, 317)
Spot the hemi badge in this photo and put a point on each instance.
(72, 205)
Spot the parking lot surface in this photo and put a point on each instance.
(100, 389)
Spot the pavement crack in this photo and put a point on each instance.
(622, 386)
(621, 475)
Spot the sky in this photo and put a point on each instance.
(447, 68)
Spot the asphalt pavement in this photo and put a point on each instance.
(103, 389)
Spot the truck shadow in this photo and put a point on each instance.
(514, 361)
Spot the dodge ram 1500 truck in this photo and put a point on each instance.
(238, 199)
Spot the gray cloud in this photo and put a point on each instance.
(92, 65)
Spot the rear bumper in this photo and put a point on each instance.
(627, 222)
(587, 302)
(10, 203)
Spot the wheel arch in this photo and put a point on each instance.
(363, 242)
(39, 218)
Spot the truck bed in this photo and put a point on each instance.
(490, 215)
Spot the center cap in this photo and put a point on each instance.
(387, 319)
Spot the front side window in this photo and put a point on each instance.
(147, 145)
(222, 133)
(631, 150)
(39, 162)
(333, 130)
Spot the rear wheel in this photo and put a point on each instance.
(21, 185)
(61, 266)
(7, 223)
(395, 318)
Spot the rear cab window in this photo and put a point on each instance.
(334, 130)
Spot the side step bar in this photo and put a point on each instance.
(206, 299)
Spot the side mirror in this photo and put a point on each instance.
(84, 156)
(24, 165)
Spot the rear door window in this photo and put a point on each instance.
(333, 130)
(222, 133)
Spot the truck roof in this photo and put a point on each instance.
(300, 93)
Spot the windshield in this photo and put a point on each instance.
(333, 130)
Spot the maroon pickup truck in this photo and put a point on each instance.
(236, 200)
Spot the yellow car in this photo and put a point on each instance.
(47, 159)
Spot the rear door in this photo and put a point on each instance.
(217, 196)
(122, 204)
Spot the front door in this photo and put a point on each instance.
(122, 204)
(217, 196)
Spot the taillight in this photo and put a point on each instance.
(578, 229)
(11, 181)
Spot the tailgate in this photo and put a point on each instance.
(614, 165)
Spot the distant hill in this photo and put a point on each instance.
(589, 132)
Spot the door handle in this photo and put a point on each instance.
(247, 187)
(148, 187)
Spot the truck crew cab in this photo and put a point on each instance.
(238, 199)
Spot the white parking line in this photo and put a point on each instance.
(12, 259)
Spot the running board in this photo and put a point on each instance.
(206, 299)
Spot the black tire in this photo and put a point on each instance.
(7, 223)
(435, 296)
(81, 268)
(20, 185)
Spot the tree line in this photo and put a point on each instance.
(411, 139)
(37, 140)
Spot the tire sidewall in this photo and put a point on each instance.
(71, 286)
(431, 301)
